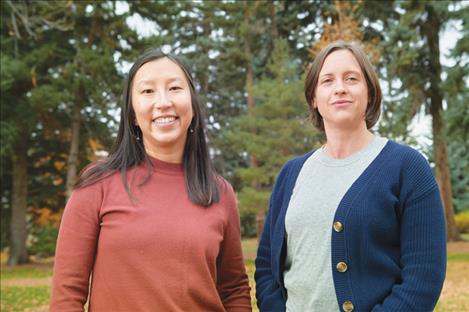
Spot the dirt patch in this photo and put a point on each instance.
(27, 282)
(458, 247)
(455, 294)
(38, 309)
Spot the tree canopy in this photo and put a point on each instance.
(63, 65)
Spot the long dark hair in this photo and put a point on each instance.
(128, 151)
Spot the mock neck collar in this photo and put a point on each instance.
(166, 167)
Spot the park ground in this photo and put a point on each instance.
(27, 288)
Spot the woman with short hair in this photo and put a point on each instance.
(358, 224)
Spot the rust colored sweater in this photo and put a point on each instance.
(161, 253)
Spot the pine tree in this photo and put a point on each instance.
(59, 69)
(457, 113)
(27, 54)
(413, 64)
(275, 129)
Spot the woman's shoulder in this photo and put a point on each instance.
(408, 155)
(412, 167)
(88, 190)
(225, 188)
(93, 177)
(227, 204)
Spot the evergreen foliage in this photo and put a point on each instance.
(58, 59)
(275, 130)
(414, 71)
(62, 65)
(457, 114)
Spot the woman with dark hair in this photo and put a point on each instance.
(152, 227)
(358, 224)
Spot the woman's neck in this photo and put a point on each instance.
(169, 155)
(343, 143)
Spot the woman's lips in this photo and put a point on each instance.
(339, 104)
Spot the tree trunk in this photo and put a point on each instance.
(442, 171)
(440, 150)
(18, 230)
(75, 141)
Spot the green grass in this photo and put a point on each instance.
(28, 271)
(458, 257)
(20, 298)
(250, 269)
(249, 251)
(455, 296)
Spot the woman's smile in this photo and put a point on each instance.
(165, 120)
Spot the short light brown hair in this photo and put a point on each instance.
(373, 108)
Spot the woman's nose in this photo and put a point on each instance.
(339, 87)
(162, 100)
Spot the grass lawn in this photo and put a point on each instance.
(21, 298)
(27, 288)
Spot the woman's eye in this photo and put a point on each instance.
(147, 91)
(352, 79)
(326, 80)
(175, 88)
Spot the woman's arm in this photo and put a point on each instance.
(423, 241)
(76, 248)
(268, 292)
(268, 297)
(232, 280)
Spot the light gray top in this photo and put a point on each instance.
(321, 185)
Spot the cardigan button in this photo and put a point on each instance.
(347, 306)
(338, 226)
(341, 267)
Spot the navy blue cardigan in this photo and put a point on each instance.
(393, 237)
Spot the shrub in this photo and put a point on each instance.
(462, 221)
(43, 239)
(248, 223)
(250, 202)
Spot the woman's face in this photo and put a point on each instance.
(161, 99)
(341, 92)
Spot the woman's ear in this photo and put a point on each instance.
(313, 103)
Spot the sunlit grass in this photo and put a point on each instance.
(249, 251)
(250, 248)
(458, 257)
(26, 287)
(250, 269)
(17, 299)
(27, 271)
